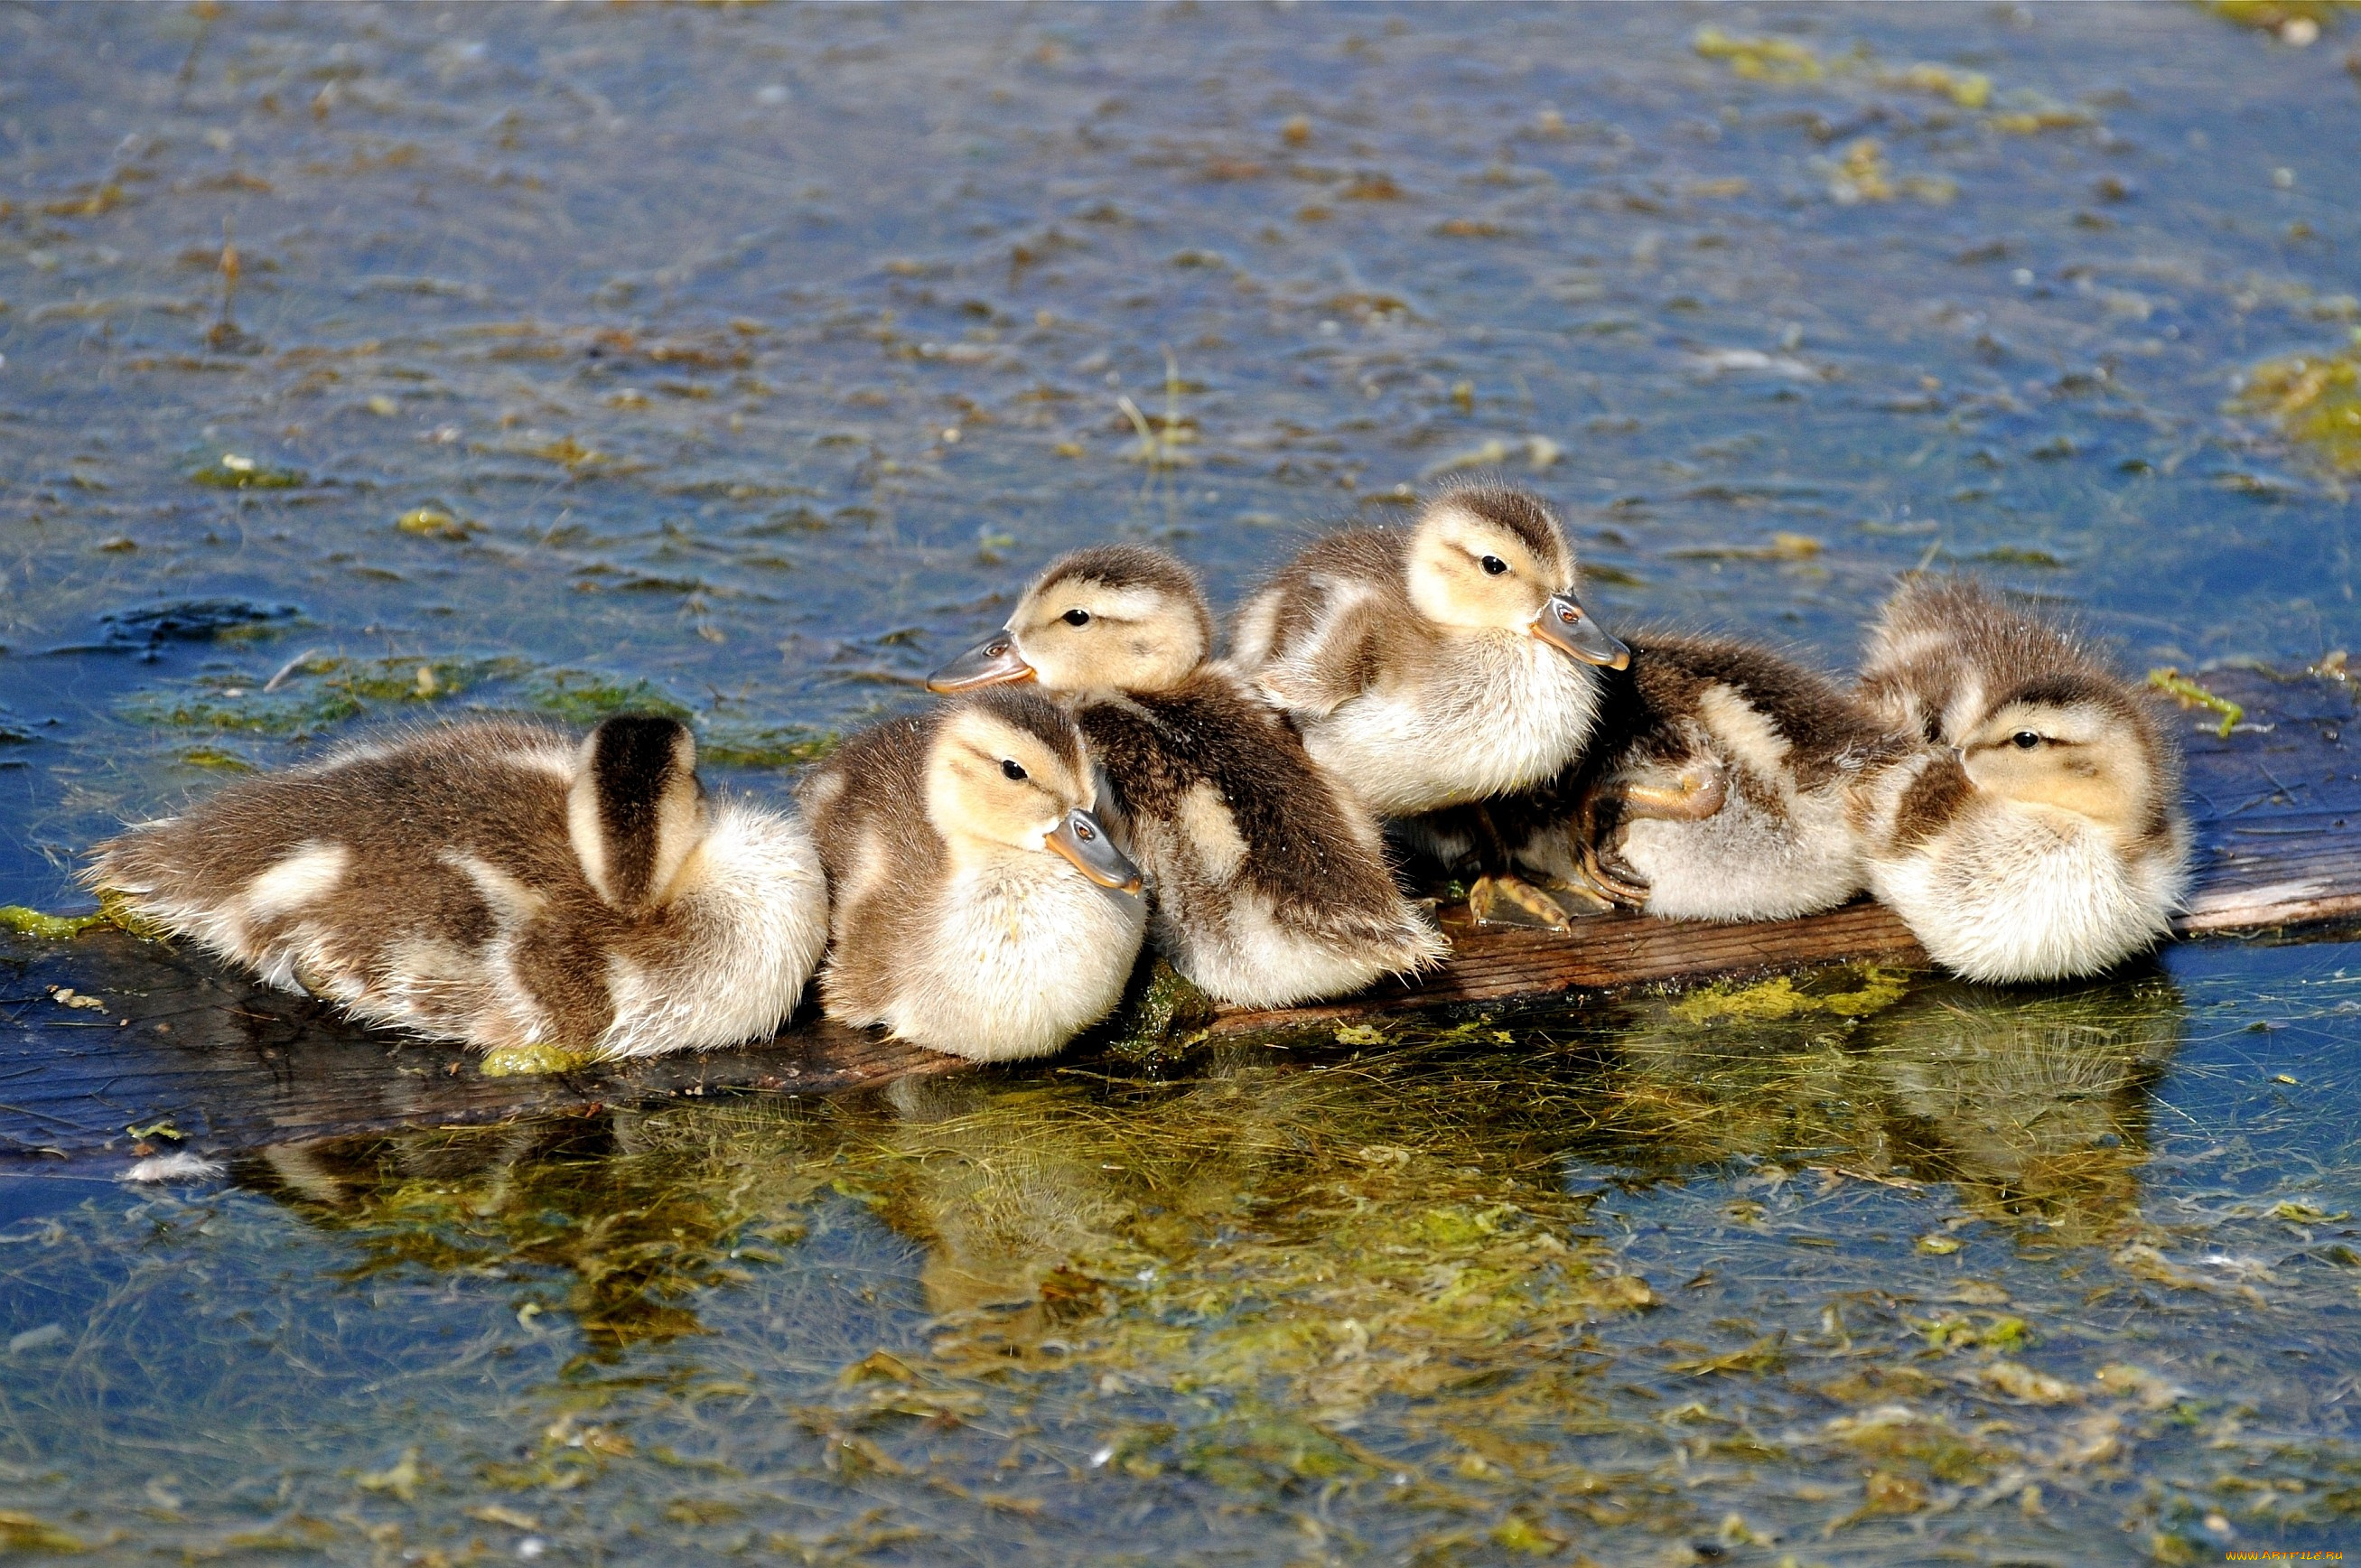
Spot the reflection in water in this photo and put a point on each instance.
(1347, 1226)
(2035, 1106)
(2034, 1103)
(1488, 1281)
(633, 1225)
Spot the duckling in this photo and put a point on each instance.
(981, 909)
(1435, 665)
(1721, 788)
(2040, 834)
(499, 884)
(1268, 883)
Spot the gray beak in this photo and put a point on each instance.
(1567, 626)
(1083, 840)
(993, 664)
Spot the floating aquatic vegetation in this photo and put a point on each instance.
(734, 745)
(313, 692)
(1759, 59)
(1164, 1014)
(584, 697)
(55, 928)
(1781, 546)
(2189, 694)
(1539, 452)
(1968, 89)
(2297, 22)
(1779, 997)
(436, 523)
(232, 472)
(531, 1060)
(1863, 175)
(2315, 400)
(215, 760)
(2024, 112)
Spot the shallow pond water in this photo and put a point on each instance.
(359, 364)
(1844, 1271)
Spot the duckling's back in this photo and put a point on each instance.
(1271, 884)
(1298, 609)
(380, 877)
(432, 881)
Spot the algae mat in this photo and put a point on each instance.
(1848, 1270)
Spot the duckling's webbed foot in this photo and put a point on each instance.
(1696, 793)
(1501, 897)
(1596, 819)
(1511, 901)
(1614, 884)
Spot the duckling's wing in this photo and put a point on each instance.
(866, 809)
(1311, 640)
(1226, 770)
(1334, 659)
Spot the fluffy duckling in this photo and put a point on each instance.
(499, 883)
(980, 907)
(2040, 834)
(1437, 664)
(1270, 883)
(1721, 790)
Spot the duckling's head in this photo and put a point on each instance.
(635, 810)
(1007, 772)
(2075, 743)
(1117, 618)
(1490, 558)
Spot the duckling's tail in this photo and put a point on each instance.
(635, 810)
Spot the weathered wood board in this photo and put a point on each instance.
(230, 1066)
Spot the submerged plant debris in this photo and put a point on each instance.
(1905, 1267)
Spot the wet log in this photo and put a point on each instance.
(226, 1065)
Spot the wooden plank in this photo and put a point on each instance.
(2277, 810)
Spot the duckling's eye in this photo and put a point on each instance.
(2024, 739)
(1076, 618)
(1011, 768)
(1494, 565)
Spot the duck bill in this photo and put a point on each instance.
(1566, 626)
(1082, 840)
(994, 663)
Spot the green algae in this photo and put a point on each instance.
(2273, 16)
(213, 758)
(1778, 997)
(314, 693)
(231, 472)
(435, 521)
(729, 744)
(2189, 694)
(2315, 401)
(25, 1532)
(1759, 59)
(52, 927)
(1163, 1014)
(583, 698)
(530, 1061)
